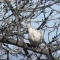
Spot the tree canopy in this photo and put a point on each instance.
(43, 15)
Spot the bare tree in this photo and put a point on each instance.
(44, 16)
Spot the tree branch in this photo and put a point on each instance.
(24, 45)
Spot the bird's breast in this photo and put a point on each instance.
(35, 37)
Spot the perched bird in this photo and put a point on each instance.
(35, 37)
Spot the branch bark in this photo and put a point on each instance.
(24, 45)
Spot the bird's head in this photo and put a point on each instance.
(28, 25)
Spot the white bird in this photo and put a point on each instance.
(35, 37)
